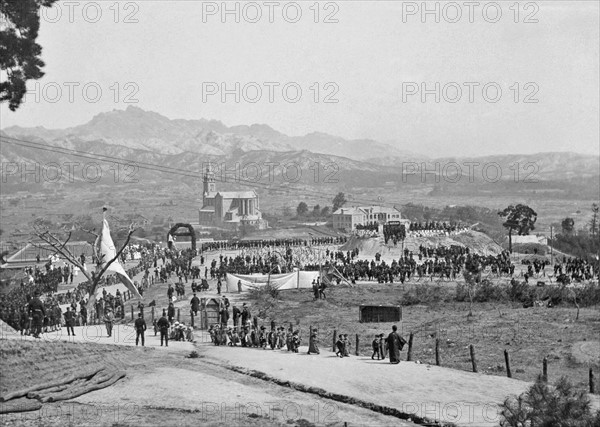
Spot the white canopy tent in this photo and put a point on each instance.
(293, 280)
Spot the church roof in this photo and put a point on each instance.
(238, 194)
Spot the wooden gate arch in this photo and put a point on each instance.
(191, 232)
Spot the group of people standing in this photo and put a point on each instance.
(393, 344)
(278, 338)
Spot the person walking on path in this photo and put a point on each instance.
(313, 348)
(395, 343)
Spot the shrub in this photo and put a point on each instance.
(546, 406)
(519, 291)
(264, 292)
(462, 293)
(487, 292)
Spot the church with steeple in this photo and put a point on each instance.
(229, 209)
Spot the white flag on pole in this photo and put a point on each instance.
(108, 252)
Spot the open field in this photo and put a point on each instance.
(528, 334)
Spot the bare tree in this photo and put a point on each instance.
(61, 248)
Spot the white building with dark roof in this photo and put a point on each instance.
(348, 218)
(229, 208)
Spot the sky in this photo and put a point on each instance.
(365, 69)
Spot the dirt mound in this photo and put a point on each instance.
(476, 241)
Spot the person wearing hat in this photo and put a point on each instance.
(108, 320)
(163, 325)
(37, 311)
(173, 330)
(295, 341)
(245, 314)
(375, 345)
(262, 338)
(195, 303)
(140, 328)
(69, 321)
(340, 346)
(395, 343)
(312, 343)
(171, 313)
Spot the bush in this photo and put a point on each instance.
(519, 291)
(264, 292)
(426, 294)
(462, 293)
(487, 292)
(546, 406)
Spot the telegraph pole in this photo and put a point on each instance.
(551, 241)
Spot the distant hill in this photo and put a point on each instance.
(139, 129)
(176, 150)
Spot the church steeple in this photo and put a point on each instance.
(208, 182)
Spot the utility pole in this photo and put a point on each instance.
(551, 241)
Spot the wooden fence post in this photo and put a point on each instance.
(192, 317)
(473, 360)
(592, 381)
(507, 361)
(410, 345)
(132, 317)
(437, 351)
(545, 370)
(334, 336)
(152, 314)
(178, 314)
(357, 344)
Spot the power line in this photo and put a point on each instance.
(170, 170)
(144, 165)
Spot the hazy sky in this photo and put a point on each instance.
(376, 54)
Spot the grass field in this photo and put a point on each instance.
(529, 334)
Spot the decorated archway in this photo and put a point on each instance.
(173, 232)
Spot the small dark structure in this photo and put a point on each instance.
(379, 313)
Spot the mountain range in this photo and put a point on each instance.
(181, 146)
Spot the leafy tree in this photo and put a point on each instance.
(19, 52)
(546, 406)
(325, 211)
(568, 225)
(316, 211)
(338, 201)
(302, 209)
(519, 218)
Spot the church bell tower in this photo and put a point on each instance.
(208, 182)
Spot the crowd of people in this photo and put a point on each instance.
(273, 243)
(435, 228)
(441, 262)
(43, 284)
(576, 269)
